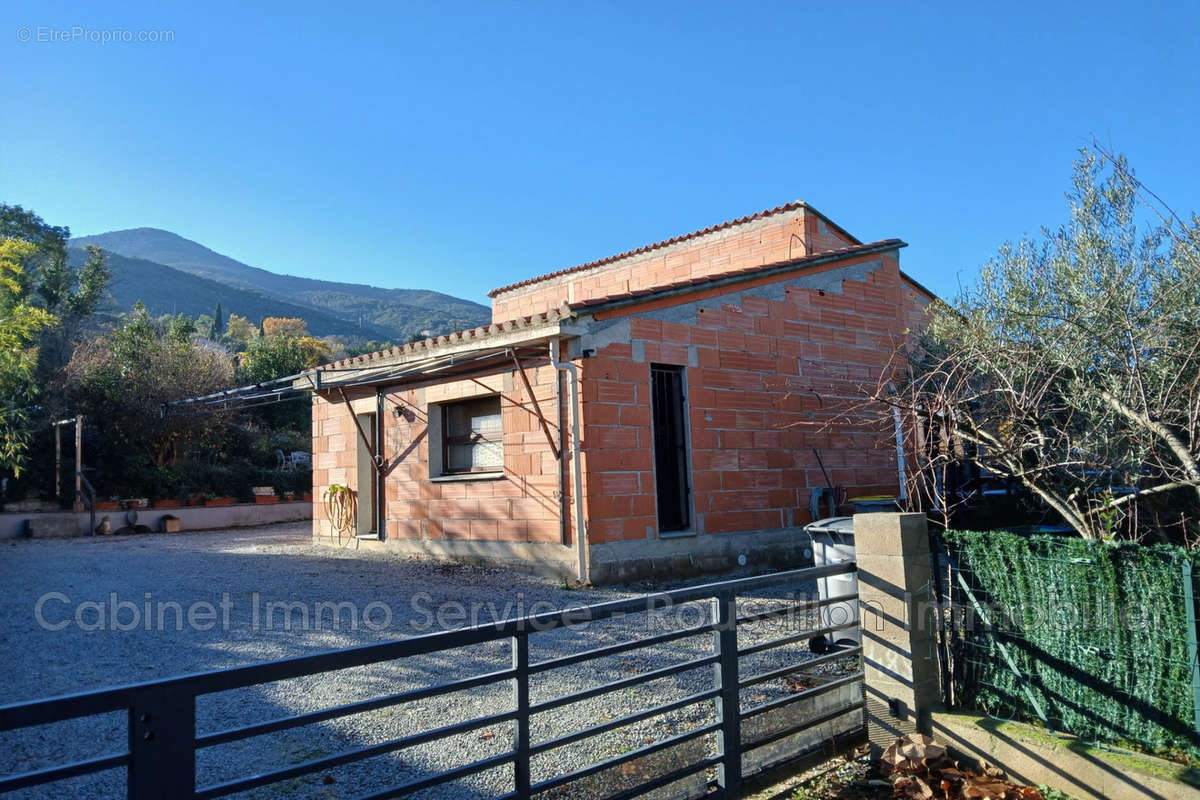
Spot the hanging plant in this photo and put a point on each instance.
(340, 507)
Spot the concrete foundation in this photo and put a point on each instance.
(552, 560)
(710, 553)
(613, 562)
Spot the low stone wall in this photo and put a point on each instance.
(68, 523)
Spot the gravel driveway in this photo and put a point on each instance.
(241, 574)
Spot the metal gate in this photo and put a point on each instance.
(751, 732)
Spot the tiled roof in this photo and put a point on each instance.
(480, 334)
(792, 206)
(745, 272)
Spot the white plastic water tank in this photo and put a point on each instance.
(833, 543)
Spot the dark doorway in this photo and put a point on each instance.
(670, 447)
(368, 509)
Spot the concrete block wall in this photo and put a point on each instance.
(769, 367)
(521, 506)
(763, 240)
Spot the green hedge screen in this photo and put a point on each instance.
(1100, 633)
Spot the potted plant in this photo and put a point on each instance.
(111, 504)
(306, 497)
(289, 497)
(213, 500)
(166, 503)
(264, 494)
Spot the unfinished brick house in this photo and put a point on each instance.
(658, 412)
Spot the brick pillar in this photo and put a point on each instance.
(895, 602)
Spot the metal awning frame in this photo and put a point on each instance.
(292, 387)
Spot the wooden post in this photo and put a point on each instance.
(57, 463)
(78, 500)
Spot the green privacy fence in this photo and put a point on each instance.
(1094, 639)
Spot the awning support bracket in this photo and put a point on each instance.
(537, 408)
(375, 460)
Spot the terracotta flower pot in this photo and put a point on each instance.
(108, 505)
(266, 498)
(166, 504)
(306, 497)
(219, 501)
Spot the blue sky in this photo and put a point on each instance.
(463, 146)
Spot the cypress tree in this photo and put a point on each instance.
(218, 326)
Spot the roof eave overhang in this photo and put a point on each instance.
(431, 361)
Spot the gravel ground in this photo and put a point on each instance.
(248, 570)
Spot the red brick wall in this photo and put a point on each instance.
(522, 506)
(761, 241)
(768, 376)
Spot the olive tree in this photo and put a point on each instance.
(1072, 366)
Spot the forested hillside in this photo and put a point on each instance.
(352, 309)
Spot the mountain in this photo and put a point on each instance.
(165, 290)
(188, 270)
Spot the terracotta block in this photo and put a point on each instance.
(597, 368)
(605, 391)
(641, 458)
(510, 530)
(634, 371)
(704, 337)
(456, 529)
(617, 350)
(404, 528)
(531, 508)
(614, 483)
(645, 328)
(485, 529)
(728, 521)
(508, 487)
(731, 340)
(456, 509)
(495, 509)
(667, 353)
(707, 480)
(639, 528)
(752, 459)
(604, 507)
(549, 531)
(738, 501)
(602, 413)
(643, 505)
(605, 530)
(676, 333)
(736, 439)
